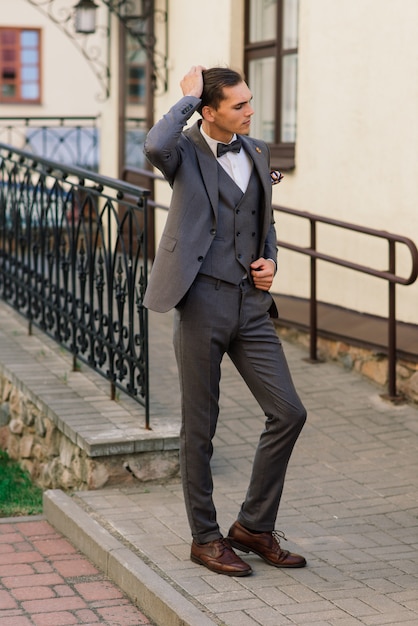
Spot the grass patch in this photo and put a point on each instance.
(18, 495)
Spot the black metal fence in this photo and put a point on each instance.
(73, 261)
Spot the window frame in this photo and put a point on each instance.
(19, 66)
(282, 153)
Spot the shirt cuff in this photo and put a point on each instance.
(275, 264)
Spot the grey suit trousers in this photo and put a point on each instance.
(217, 318)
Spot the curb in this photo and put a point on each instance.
(163, 604)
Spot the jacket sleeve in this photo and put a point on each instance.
(162, 144)
(270, 245)
(270, 242)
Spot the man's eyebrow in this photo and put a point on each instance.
(244, 102)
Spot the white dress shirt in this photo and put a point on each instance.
(237, 165)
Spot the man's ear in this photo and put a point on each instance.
(207, 113)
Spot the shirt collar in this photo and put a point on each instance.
(213, 143)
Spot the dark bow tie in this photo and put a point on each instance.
(223, 148)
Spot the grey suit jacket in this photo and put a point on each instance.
(188, 164)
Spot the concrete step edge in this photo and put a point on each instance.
(163, 604)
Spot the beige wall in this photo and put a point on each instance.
(357, 132)
(357, 142)
(357, 123)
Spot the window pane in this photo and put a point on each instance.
(19, 65)
(29, 39)
(30, 74)
(8, 37)
(136, 57)
(263, 20)
(9, 55)
(261, 81)
(30, 91)
(8, 91)
(132, 8)
(136, 84)
(290, 24)
(8, 73)
(30, 57)
(289, 87)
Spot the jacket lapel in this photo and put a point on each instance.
(209, 171)
(207, 163)
(261, 168)
(259, 164)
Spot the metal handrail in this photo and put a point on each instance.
(388, 275)
(73, 261)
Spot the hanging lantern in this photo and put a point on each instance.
(85, 17)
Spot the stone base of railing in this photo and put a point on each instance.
(62, 426)
(370, 363)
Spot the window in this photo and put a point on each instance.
(271, 56)
(19, 65)
(136, 73)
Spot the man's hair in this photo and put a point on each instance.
(214, 81)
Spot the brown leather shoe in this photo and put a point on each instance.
(219, 557)
(266, 545)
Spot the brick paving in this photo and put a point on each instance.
(45, 581)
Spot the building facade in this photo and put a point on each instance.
(335, 87)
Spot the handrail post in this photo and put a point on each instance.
(145, 314)
(313, 305)
(392, 348)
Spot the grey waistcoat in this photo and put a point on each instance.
(236, 243)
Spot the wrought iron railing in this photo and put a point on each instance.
(390, 275)
(72, 141)
(72, 262)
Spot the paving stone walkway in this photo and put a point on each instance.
(45, 581)
(350, 505)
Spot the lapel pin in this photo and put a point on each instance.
(258, 150)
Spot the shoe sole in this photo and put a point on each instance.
(240, 546)
(212, 569)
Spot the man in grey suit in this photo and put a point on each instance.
(215, 265)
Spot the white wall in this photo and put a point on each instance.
(357, 142)
(357, 133)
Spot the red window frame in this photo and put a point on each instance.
(20, 66)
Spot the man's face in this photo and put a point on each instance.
(232, 116)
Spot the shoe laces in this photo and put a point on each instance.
(224, 544)
(278, 534)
